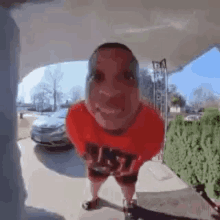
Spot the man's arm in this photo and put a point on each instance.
(153, 150)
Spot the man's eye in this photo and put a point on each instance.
(98, 77)
(129, 76)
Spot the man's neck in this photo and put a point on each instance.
(116, 132)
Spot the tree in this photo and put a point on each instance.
(204, 98)
(211, 101)
(75, 94)
(172, 91)
(147, 89)
(20, 100)
(146, 85)
(60, 96)
(175, 100)
(53, 77)
(178, 99)
(172, 88)
(41, 95)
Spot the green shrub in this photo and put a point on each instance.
(211, 109)
(213, 189)
(179, 118)
(192, 151)
(211, 116)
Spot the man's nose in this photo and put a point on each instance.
(113, 100)
(111, 89)
(109, 93)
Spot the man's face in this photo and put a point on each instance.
(113, 95)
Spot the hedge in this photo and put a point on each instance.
(192, 151)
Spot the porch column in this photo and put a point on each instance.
(12, 191)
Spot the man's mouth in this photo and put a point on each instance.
(108, 111)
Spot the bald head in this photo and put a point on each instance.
(133, 63)
(112, 94)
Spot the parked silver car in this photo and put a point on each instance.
(193, 117)
(50, 130)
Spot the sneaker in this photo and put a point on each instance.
(129, 209)
(91, 205)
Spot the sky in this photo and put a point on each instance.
(74, 74)
(202, 72)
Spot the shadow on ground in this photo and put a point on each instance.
(185, 202)
(41, 214)
(141, 213)
(63, 160)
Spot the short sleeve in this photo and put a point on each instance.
(74, 132)
(156, 138)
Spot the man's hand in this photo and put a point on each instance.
(89, 160)
(121, 172)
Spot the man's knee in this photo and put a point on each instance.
(96, 177)
(127, 180)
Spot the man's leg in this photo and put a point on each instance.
(96, 181)
(95, 187)
(128, 192)
(127, 184)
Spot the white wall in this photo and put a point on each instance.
(177, 109)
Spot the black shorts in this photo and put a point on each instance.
(96, 176)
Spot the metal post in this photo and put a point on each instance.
(156, 65)
(154, 90)
(162, 66)
(166, 99)
(166, 103)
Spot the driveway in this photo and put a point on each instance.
(54, 181)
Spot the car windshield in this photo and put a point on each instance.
(60, 114)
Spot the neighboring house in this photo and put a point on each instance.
(21, 107)
(66, 105)
(41, 107)
(188, 109)
(69, 103)
(177, 109)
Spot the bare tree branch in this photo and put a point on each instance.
(41, 95)
(53, 77)
(204, 98)
(75, 94)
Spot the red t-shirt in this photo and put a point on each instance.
(142, 140)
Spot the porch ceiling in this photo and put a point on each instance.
(58, 31)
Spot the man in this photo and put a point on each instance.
(113, 130)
